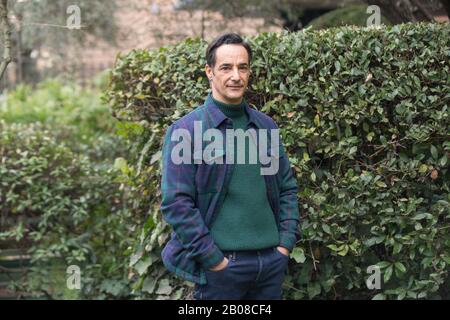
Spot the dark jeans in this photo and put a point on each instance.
(252, 274)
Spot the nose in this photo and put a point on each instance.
(235, 73)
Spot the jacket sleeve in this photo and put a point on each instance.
(289, 211)
(178, 206)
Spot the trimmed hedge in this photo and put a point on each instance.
(364, 115)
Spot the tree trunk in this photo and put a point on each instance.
(6, 27)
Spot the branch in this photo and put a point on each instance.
(6, 27)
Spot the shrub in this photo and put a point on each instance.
(364, 117)
(60, 104)
(60, 198)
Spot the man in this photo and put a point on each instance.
(234, 223)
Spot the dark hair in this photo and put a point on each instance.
(227, 38)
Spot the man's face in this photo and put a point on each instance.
(229, 77)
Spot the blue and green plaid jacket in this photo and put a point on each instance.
(193, 193)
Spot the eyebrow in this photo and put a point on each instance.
(229, 64)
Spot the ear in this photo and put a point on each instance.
(209, 72)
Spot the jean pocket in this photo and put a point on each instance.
(221, 270)
(281, 254)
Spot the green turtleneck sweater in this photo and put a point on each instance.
(245, 221)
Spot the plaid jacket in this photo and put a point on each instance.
(193, 193)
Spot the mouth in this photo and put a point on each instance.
(235, 87)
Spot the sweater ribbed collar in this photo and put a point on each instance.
(231, 110)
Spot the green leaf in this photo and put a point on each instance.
(149, 285)
(142, 266)
(344, 251)
(135, 258)
(120, 164)
(434, 152)
(333, 247)
(388, 273)
(348, 131)
(400, 267)
(298, 255)
(443, 161)
(379, 296)
(423, 168)
(302, 102)
(381, 184)
(351, 203)
(164, 287)
(306, 156)
(112, 287)
(384, 264)
(314, 289)
(337, 65)
(400, 108)
(317, 120)
(419, 216)
(397, 247)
